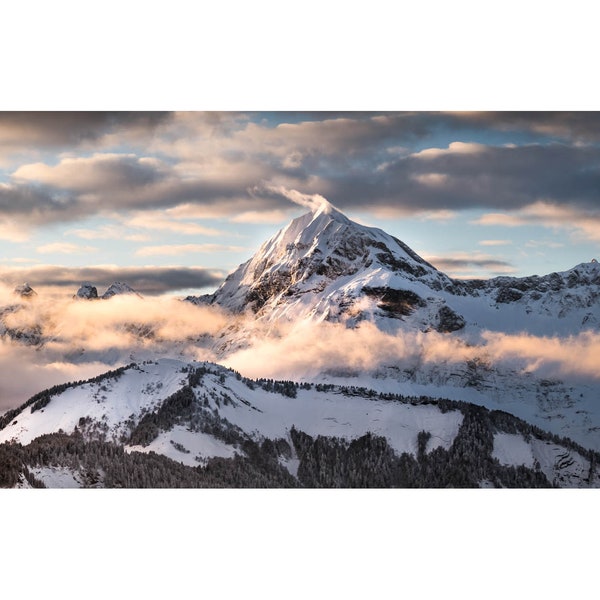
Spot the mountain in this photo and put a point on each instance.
(119, 288)
(25, 291)
(461, 417)
(88, 291)
(169, 423)
(325, 267)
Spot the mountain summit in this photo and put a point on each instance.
(325, 267)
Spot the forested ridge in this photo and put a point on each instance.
(366, 461)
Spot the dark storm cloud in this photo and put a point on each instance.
(146, 280)
(49, 129)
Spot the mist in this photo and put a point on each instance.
(69, 339)
(53, 339)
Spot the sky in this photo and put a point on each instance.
(170, 202)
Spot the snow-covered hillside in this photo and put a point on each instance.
(194, 414)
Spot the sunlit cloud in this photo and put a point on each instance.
(440, 215)
(495, 242)
(261, 217)
(581, 223)
(179, 249)
(157, 221)
(65, 248)
(108, 232)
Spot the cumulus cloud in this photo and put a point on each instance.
(106, 172)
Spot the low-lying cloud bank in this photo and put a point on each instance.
(307, 350)
(76, 339)
(50, 340)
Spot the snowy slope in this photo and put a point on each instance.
(227, 408)
(111, 407)
(562, 466)
(108, 403)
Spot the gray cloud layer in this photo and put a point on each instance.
(354, 159)
(146, 280)
(56, 129)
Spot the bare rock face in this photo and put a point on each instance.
(87, 292)
(449, 321)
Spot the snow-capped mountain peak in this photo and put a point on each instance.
(117, 288)
(322, 262)
(324, 266)
(87, 291)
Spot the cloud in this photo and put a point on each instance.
(100, 172)
(495, 242)
(178, 249)
(440, 215)
(548, 356)
(168, 220)
(461, 262)
(108, 232)
(568, 125)
(146, 280)
(582, 223)
(24, 372)
(64, 248)
(235, 166)
(84, 338)
(25, 133)
(271, 217)
(307, 350)
(311, 201)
